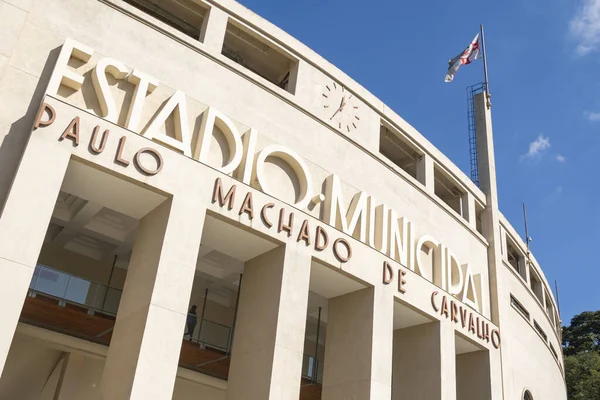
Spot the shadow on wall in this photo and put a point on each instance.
(15, 141)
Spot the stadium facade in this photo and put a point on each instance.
(162, 154)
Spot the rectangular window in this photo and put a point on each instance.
(513, 255)
(536, 285)
(519, 307)
(448, 191)
(539, 329)
(558, 325)
(398, 150)
(549, 309)
(553, 351)
(186, 16)
(257, 54)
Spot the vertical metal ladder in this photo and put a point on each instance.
(471, 92)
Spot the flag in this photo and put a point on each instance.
(470, 54)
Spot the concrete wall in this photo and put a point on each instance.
(473, 376)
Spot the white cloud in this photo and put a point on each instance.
(592, 116)
(584, 27)
(537, 148)
(554, 196)
(560, 158)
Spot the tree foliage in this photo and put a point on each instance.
(581, 347)
(583, 334)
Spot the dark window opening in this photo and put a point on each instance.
(398, 150)
(448, 190)
(536, 286)
(253, 52)
(515, 258)
(519, 307)
(186, 16)
(553, 351)
(540, 330)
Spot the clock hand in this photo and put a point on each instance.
(344, 102)
(335, 113)
(340, 108)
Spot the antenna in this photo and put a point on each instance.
(557, 298)
(527, 238)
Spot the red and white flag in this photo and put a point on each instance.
(470, 54)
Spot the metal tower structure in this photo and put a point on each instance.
(471, 92)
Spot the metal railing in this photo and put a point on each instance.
(72, 289)
(312, 369)
(210, 334)
(68, 288)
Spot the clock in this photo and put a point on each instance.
(340, 107)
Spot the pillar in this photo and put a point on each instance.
(23, 224)
(358, 349)
(424, 362)
(469, 211)
(143, 356)
(425, 172)
(268, 344)
(490, 218)
(213, 30)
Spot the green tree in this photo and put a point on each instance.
(583, 334)
(581, 346)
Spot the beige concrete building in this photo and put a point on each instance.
(161, 154)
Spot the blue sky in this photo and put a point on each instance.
(543, 61)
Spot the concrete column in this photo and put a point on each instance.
(473, 379)
(144, 352)
(499, 304)
(358, 349)
(269, 336)
(503, 243)
(213, 30)
(23, 224)
(425, 172)
(424, 362)
(469, 212)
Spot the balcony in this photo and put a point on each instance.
(75, 306)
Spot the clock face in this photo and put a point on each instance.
(340, 107)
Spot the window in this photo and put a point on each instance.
(515, 257)
(549, 309)
(448, 190)
(527, 395)
(398, 150)
(519, 307)
(255, 53)
(540, 330)
(536, 285)
(186, 16)
(553, 351)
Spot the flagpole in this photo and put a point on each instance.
(485, 71)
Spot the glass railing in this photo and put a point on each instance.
(312, 369)
(69, 288)
(211, 334)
